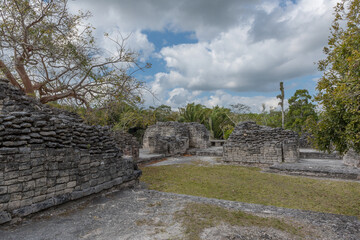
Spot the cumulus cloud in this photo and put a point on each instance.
(180, 97)
(278, 45)
(243, 45)
(206, 18)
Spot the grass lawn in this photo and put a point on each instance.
(249, 185)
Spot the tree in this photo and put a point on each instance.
(219, 122)
(216, 120)
(163, 113)
(281, 103)
(300, 110)
(274, 118)
(194, 113)
(339, 87)
(240, 113)
(51, 54)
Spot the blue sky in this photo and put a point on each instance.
(219, 52)
(161, 39)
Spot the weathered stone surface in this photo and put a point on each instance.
(199, 136)
(352, 158)
(4, 217)
(251, 143)
(47, 153)
(175, 138)
(127, 143)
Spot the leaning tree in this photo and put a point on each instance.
(51, 54)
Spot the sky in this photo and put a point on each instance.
(219, 52)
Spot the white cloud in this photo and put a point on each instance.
(243, 45)
(180, 97)
(254, 56)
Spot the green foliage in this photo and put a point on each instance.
(219, 122)
(339, 87)
(216, 120)
(228, 129)
(240, 113)
(272, 119)
(194, 113)
(164, 113)
(300, 109)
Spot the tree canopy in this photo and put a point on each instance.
(52, 54)
(301, 109)
(339, 87)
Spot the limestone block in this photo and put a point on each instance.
(352, 158)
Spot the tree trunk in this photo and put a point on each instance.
(29, 89)
(282, 104)
(9, 75)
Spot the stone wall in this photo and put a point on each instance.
(172, 138)
(251, 143)
(127, 143)
(352, 158)
(199, 136)
(49, 156)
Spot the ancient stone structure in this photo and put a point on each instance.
(172, 138)
(49, 156)
(251, 143)
(127, 143)
(352, 158)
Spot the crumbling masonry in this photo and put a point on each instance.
(49, 156)
(251, 143)
(171, 138)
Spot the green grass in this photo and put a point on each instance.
(250, 185)
(196, 217)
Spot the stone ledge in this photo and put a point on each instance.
(317, 168)
(6, 217)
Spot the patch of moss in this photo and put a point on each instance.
(252, 186)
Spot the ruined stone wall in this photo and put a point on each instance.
(352, 158)
(49, 156)
(127, 143)
(175, 138)
(199, 136)
(251, 143)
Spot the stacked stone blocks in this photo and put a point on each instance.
(49, 156)
(251, 143)
(127, 143)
